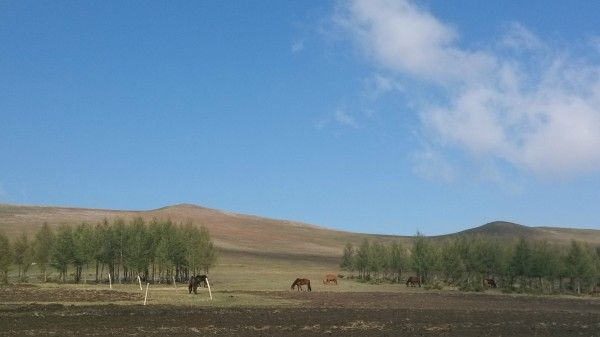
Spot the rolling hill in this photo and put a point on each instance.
(231, 232)
(238, 233)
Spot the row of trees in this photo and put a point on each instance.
(157, 251)
(466, 261)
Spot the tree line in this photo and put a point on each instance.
(157, 251)
(521, 265)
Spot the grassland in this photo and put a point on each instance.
(259, 259)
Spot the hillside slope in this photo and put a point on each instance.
(238, 233)
(230, 231)
(512, 231)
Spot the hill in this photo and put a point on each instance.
(512, 231)
(252, 235)
(231, 232)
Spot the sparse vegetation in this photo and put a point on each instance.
(466, 261)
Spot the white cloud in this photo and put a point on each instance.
(297, 46)
(379, 85)
(345, 119)
(519, 37)
(523, 101)
(431, 165)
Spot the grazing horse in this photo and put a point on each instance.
(330, 278)
(195, 281)
(299, 282)
(489, 282)
(412, 280)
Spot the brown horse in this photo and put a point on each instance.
(330, 278)
(196, 281)
(412, 280)
(489, 282)
(299, 282)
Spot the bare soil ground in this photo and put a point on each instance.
(311, 314)
(29, 293)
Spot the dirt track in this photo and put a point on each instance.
(340, 314)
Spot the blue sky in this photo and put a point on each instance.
(371, 116)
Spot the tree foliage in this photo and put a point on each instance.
(465, 261)
(157, 251)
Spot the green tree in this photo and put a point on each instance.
(348, 257)
(85, 245)
(453, 266)
(194, 248)
(362, 259)
(63, 253)
(423, 258)
(43, 247)
(5, 257)
(163, 264)
(580, 264)
(22, 255)
(492, 257)
(544, 262)
(105, 254)
(139, 249)
(119, 233)
(378, 259)
(398, 260)
(209, 251)
(520, 265)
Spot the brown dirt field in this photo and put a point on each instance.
(336, 314)
(30, 293)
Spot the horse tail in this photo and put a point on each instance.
(309, 289)
(294, 284)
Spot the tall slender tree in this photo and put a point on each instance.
(5, 257)
(63, 253)
(348, 257)
(22, 254)
(42, 248)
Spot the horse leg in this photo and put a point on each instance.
(196, 289)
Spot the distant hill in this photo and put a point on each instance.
(230, 231)
(509, 230)
(248, 234)
(501, 229)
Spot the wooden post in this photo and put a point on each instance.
(146, 296)
(140, 281)
(209, 292)
(109, 281)
(174, 283)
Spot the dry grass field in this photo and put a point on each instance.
(259, 258)
(251, 297)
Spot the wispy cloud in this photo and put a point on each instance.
(379, 85)
(522, 101)
(297, 46)
(432, 165)
(344, 118)
(518, 37)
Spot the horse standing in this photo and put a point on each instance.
(330, 278)
(195, 281)
(489, 282)
(299, 282)
(412, 280)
